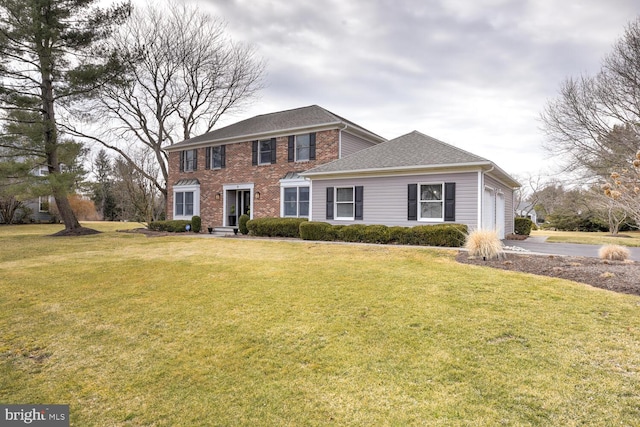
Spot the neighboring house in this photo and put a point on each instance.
(38, 209)
(309, 162)
(413, 180)
(526, 210)
(253, 166)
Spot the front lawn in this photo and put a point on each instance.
(626, 238)
(180, 331)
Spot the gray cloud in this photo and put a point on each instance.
(475, 74)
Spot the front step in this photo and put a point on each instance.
(223, 231)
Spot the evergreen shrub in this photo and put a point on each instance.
(173, 226)
(275, 227)
(523, 226)
(196, 224)
(242, 224)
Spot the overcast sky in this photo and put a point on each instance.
(473, 73)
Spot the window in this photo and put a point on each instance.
(265, 152)
(188, 160)
(344, 203)
(186, 199)
(43, 203)
(184, 203)
(296, 201)
(216, 157)
(431, 202)
(302, 147)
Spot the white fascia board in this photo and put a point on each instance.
(405, 170)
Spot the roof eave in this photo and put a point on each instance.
(398, 169)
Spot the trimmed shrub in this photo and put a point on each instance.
(352, 233)
(613, 253)
(523, 226)
(485, 244)
(196, 224)
(317, 231)
(173, 226)
(399, 235)
(242, 224)
(375, 234)
(275, 227)
(446, 235)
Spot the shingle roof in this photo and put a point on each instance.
(279, 122)
(411, 150)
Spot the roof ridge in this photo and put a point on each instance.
(445, 143)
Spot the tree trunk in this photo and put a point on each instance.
(58, 186)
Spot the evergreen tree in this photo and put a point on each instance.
(52, 55)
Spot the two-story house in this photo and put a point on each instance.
(253, 166)
(309, 162)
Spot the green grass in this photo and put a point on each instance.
(180, 331)
(631, 238)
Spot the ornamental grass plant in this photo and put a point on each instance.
(613, 253)
(484, 244)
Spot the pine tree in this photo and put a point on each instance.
(53, 55)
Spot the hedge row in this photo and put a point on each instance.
(447, 235)
(275, 227)
(175, 226)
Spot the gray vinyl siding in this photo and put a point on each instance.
(385, 198)
(508, 202)
(351, 144)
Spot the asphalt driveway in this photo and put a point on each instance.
(539, 245)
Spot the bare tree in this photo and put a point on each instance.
(594, 124)
(623, 189)
(187, 75)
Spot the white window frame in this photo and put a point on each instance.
(291, 183)
(215, 148)
(44, 199)
(420, 202)
(195, 189)
(352, 203)
(283, 201)
(268, 143)
(308, 146)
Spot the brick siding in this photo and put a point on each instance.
(239, 170)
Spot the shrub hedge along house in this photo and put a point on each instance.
(311, 163)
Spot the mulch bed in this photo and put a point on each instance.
(617, 276)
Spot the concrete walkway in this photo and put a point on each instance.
(538, 244)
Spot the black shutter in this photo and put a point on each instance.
(292, 149)
(359, 202)
(412, 198)
(223, 156)
(273, 150)
(195, 160)
(312, 146)
(254, 153)
(329, 202)
(449, 201)
(207, 164)
(182, 161)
